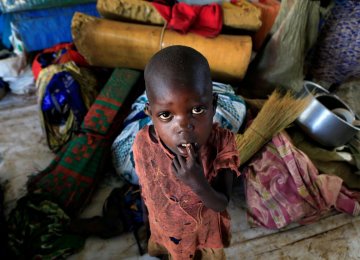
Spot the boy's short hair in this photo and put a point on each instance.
(181, 61)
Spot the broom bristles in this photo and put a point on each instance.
(277, 113)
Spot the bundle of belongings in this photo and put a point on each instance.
(65, 89)
(39, 226)
(292, 178)
(284, 181)
(206, 19)
(141, 28)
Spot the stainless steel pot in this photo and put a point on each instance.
(320, 123)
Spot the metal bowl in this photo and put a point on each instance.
(320, 123)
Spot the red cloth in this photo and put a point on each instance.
(66, 52)
(205, 20)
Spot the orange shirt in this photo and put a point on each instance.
(178, 219)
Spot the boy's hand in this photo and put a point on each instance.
(189, 170)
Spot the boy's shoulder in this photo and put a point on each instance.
(143, 131)
(218, 129)
(143, 136)
(221, 136)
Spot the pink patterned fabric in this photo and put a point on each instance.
(283, 186)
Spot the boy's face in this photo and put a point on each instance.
(181, 114)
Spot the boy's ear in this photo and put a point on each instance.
(147, 109)
(215, 100)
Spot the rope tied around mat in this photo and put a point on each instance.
(162, 35)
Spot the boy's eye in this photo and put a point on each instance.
(198, 110)
(164, 115)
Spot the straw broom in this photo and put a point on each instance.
(275, 115)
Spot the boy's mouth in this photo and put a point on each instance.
(184, 146)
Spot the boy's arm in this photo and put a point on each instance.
(217, 195)
(223, 182)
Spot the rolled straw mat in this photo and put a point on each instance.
(114, 44)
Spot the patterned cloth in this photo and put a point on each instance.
(337, 55)
(65, 93)
(230, 114)
(178, 219)
(283, 186)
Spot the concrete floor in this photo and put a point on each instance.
(23, 151)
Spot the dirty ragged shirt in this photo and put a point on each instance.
(179, 221)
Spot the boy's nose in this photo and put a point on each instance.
(185, 124)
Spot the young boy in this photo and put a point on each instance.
(185, 163)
